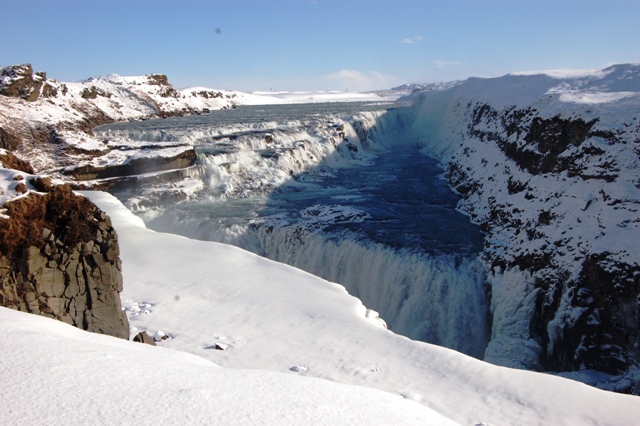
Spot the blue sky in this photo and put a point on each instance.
(315, 45)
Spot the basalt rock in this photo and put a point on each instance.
(161, 80)
(143, 337)
(59, 257)
(606, 334)
(93, 92)
(583, 303)
(19, 81)
(135, 166)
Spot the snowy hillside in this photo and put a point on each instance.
(51, 122)
(547, 164)
(237, 310)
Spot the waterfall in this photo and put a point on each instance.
(439, 299)
(436, 298)
(433, 289)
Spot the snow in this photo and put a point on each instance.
(566, 73)
(53, 373)
(313, 97)
(9, 179)
(276, 318)
(126, 156)
(119, 98)
(285, 329)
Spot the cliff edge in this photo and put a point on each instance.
(59, 254)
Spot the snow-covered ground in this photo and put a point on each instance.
(548, 165)
(264, 98)
(56, 374)
(274, 323)
(268, 316)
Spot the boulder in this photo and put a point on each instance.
(51, 265)
(143, 337)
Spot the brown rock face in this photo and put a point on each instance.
(10, 161)
(59, 257)
(19, 81)
(8, 140)
(134, 167)
(167, 90)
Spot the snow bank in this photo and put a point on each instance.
(273, 317)
(53, 373)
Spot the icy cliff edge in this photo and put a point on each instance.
(548, 165)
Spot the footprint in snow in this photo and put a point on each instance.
(299, 368)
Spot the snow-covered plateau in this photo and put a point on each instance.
(546, 164)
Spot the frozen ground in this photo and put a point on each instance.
(269, 316)
(55, 374)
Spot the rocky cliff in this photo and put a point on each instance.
(548, 166)
(59, 254)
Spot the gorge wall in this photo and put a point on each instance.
(548, 166)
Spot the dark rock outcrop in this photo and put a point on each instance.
(10, 161)
(93, 92)
(134, 166)
(586, 314)
(19, 81)
(606, 336)
(143, 337)
(8, 140)
(59, 257)
(166, 89)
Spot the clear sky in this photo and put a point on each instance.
(315, 45)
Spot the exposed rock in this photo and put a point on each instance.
(167, 90)
(19, 81)
(143, 337)
(21, 188)
(42, 184)
(10, 161)
(584, 312)
(134, 166)
(93, 92)
(207, 94)
(50, 265)
(9, 140)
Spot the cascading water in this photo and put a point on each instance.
(379, 221)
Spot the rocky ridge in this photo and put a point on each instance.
(59, 254)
